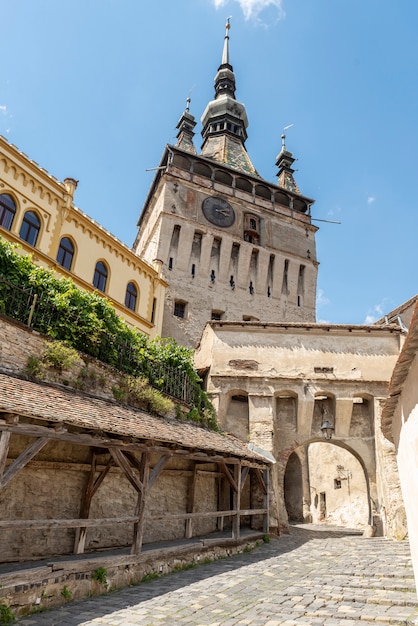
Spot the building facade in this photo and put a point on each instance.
(232, 245)
(279, 385)
(38, 214)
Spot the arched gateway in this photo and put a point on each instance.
(280, 386)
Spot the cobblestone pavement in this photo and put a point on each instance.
(311, 576)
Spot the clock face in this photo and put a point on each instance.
(218, 211)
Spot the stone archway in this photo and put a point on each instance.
(327, 482)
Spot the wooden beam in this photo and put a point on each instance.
(236, 499)
(266, 520)
(191, 504)
(4, 451)
(260, 480)
(123, 463)
(157, 469)
(138, 533)
(24, 458)
(244, 473)
(66, 523)
(229, 476)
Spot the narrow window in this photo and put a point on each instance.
(170, 263)
(180, 308)
(216, 315)
(212, 276)
(232, 283)
(154, 307)
(65, 253)
(193, 270)
(337, 483)
(131, 296)
(285, 289)
(30, 228)
(7, 211)
(301, 284)
(251, 288)
(100, 276)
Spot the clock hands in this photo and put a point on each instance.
(223, 211)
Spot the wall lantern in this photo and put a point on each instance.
(327, 429)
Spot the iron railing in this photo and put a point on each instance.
(37, 311)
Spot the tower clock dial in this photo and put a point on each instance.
(218, 211)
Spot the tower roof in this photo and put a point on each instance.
(284, 162)
(225, 120)
(185, 127)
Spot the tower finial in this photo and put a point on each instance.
(225, 52)
(188, 101)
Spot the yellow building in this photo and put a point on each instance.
(37, 212)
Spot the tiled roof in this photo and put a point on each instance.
(73, 408)
(230, 152)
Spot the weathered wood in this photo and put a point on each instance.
(81, 533)
(91, 488)
(191, 504)
(86, 439)
(208, 514)
(22, 460)
(236, 499)
(65, 523)
(266, 518)
(4, 451)
(260, 480)
(123, 463)
(228, 475)
(244, 474)
(138, 533)
(157, 469)
(24, 576)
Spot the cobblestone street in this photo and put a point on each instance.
(311, 576)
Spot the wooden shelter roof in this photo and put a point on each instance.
(73, 413)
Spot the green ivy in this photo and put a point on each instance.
(87, 322)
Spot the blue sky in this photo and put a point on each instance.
(93, 89)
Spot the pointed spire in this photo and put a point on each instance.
(225, 53)
(225, 120)
(186, 126)
(284, 162)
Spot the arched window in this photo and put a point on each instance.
(100, 276)
(30, 228)
(65, 253)
(7, 210)
(131, 296)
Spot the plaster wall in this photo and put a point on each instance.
(405, 429)
(33, 189)
(288, 372)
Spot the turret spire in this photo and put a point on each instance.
(225, 53)
(284, 162)
(186, 126)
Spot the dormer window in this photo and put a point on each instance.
(252, 228)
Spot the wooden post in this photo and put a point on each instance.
(191, 504)
(236, 499)
(23, 459)
(140, 504)
(91, 488)
(220, 520)
(266, 522)
(4, 451)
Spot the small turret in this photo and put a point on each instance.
(284, 162)
(186, 133)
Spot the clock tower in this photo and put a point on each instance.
(232, 245)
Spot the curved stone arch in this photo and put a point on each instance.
(182, 162)
(262, 191)
(324, 408)
(237, 413)
(220, 176)
(203, 169)
(286, 405)
(243, 184)
(297, 443)
(280, 197)
(73, 242)
(362, 414)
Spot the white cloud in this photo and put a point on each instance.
(321, 300)
(253, 8)
(370, 199)
(375, 313)
(3, 109)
